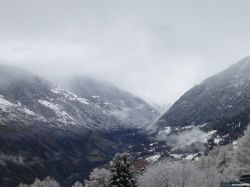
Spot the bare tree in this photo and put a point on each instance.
(243, 152)
(47, 182)
(178, 174)
(77, 184)
(98, 178)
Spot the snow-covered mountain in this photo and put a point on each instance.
(45, 130)
(27, 98)
(219, 106)
(129, 109)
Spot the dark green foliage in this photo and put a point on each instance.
(122, 175)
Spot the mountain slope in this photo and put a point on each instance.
(130, 110)
(220, 103)
(47, 131)
(26, 97)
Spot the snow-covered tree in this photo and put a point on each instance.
(77, 184)
(220, 157)
(47, 182)
(243, 152)
(178, 173)
(222, 160)
(98, 178)
(122, 175)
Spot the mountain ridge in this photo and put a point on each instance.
(46, 130)
(218, 83)
(219, 106)
(125, 106)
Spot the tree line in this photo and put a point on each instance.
(222, 164)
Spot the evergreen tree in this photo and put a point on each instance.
(122, 175)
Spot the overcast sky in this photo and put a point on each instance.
(157, 49)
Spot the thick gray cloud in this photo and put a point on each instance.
(156, 49)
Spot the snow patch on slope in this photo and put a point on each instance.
(63, 116)
(153, 158)
(71, 96)
(5, 104)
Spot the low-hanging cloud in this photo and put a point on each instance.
(155, 49)
(186, 138)
(189, 139)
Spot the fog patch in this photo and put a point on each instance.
(194, 138)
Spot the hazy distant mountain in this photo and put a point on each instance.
(129, 109)
(161, 108)
(219, 105)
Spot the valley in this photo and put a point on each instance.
(68, 130)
